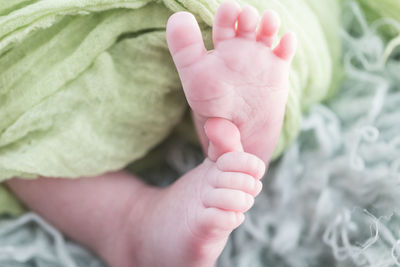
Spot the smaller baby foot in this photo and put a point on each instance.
(236, 181)
(188, 223)
(243, 79)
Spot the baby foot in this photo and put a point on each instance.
(243, 79)
(188, 223)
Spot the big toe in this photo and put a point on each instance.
(184, 39)
(224, 137)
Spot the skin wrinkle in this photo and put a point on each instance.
(182, 51)
(213, 98)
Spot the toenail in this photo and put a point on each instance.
(253, 183)
(249, 200)
(240, 217)
(259, 186)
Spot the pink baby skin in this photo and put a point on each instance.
(237, 93)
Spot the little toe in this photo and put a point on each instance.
(216, 219)
(241, 162)
(184, 39)
(237, 181)
(225, 22)
(269, 26)
(228, 199)
(286, 47)
(247, 23)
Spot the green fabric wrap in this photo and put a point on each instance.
(89, 86)
(387, 9)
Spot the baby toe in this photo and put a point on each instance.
(269, 26)
(214, 219)
(286, 47)
(184, 38)
(241, 162)
(224, 137)
(247, 23)
(228, 199)
(237, 181)
(225, 21)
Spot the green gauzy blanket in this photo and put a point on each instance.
(89, 86)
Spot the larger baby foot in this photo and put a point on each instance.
(188, 223)
(243, 79)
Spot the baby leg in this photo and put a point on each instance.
(127, 222)
(92, 211)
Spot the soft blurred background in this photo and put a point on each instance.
(329, 200)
